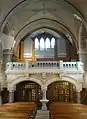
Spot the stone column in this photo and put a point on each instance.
(0, 98)
(7, 55)
(44, 94)
(81, 55)
(82, 38)
(2, 81)
(44, 100)
(78, 97)
(22, 50)
(27, 65)
(33, 50)
(85, 80)
(2, 78)
(11, 96)
(0, 95)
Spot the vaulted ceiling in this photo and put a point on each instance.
(25, 16)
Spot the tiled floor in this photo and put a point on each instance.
(42, 114)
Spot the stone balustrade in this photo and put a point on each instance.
(45, 66)
(73, 66)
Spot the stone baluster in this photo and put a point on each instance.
(27, 65)
(61, 64)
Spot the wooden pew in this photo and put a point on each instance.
(19, 110)
(31, 105)
(67, 111)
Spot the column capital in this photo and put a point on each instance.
(7, 51)
(11, 89)
(44, 89)
(78, 91)
(79, 88)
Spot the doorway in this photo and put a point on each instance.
(61, 91)
(28, 91)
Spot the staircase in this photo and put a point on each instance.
(42, 114)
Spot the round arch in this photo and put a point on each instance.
(12, 85)
(68, 79)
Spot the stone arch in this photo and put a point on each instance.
(65, 78)
(39, 24)
(50, 31)
(12, 85)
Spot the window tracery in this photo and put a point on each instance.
(44, 43)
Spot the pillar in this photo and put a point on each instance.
(44, 94)
(0, 98)
(78, 97)
(7, 55)
(22, 51)
(33, 51)
(83, 51)
(44, 100)
(2, 82)
(0, 95)
(11, 96)
(2, 78)
(81, 56)
(18, 53)
(85, 80)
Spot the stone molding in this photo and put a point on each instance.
(43, 81)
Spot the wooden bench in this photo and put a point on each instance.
(19, 110)
(67, 111)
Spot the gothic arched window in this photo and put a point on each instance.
(52, 42)
(36, 43)
(41, 44)
(47, 43)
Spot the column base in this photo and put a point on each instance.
(44, 107)
(44, 102)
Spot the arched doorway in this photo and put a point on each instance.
(28, 91)
(61, 91)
